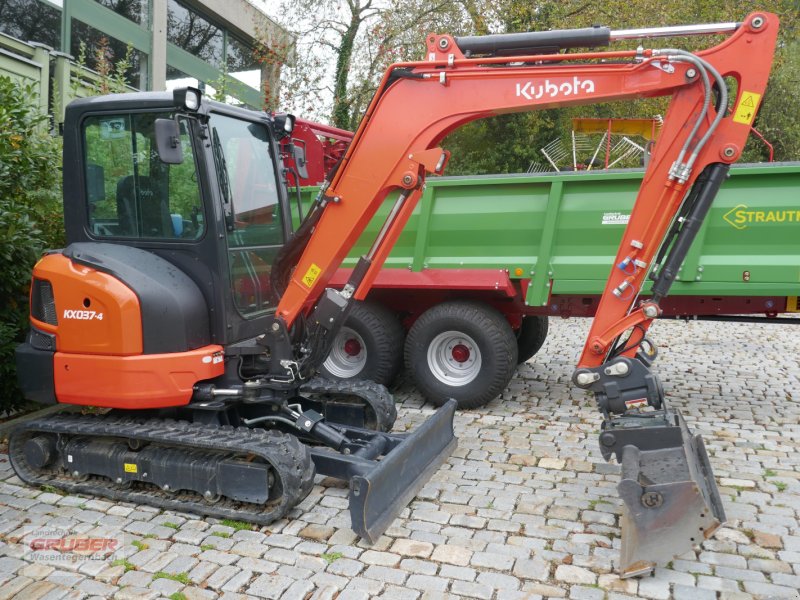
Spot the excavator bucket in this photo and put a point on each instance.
(671, 499)
(390, 469)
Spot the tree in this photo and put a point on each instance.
(396, 31)
(363, 37)
(30, 216)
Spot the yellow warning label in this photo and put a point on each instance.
(791, 304)
(311, 275)
(746, 109)
(130, 468)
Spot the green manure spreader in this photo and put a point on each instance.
(484, 261)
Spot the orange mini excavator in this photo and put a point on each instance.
(186, 305)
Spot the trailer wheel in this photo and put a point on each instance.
(530, 337)
(368, 346)
(462, 350)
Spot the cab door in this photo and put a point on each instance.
(255, 209)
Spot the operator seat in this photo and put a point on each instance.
(152, 220)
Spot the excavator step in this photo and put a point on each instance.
(671, 499)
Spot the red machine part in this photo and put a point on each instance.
(324, 146)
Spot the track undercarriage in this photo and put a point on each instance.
(255, 469)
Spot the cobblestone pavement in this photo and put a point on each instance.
(526, 508)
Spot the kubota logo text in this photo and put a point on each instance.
(740, 216)
(533, 91)
(82, 315)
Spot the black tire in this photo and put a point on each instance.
(530, 337)
(483, 334)
(378, 337)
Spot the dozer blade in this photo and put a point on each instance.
(671, 499)
(379, 489)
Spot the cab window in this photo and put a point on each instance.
(248, 186)
(130, 192)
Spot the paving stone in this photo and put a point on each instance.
(579, 592)
(472, 590)
(499, 581)
(454, 555)
(221, 576)
(572, 574)
(492, 561)
(427, 583)
(269, 586)
(405, 547)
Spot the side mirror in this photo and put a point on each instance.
(299, 156)
(168, 141)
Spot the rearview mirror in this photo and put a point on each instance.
(299, 156)
(168, 141)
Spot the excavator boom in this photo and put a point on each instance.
(671, 500)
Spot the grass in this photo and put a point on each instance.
(179, 577)
(222, 534)
(150, 536)
(593, 503)
(140, 545)
(205, 547)
(780, 485)
(751, 535)
(329, 557)
(52, 490)
(171, 525)
(770, 473)
(129, 566)
(177, 596)
(237, 525)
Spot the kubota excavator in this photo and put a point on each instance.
(185, 305)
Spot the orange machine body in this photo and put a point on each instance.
(411, 114)
(99, 359)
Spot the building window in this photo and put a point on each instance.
(31, 21)
(102, 48)
(135, 10)
(193, 33)
(242, 63)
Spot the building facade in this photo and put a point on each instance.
(225, 46)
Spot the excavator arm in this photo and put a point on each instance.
(671, 500)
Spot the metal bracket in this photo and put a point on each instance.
(622, 384)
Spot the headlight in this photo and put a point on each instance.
(187, 98)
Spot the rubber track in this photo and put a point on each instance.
(374, 394)
(290, 459)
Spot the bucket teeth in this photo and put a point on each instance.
(671, 499)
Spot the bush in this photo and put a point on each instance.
(31, 217)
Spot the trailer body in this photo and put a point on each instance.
(544, 244)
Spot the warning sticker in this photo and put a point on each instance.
(791, 304)
(130, 468)
(638, 403)
(746, 109)
(311, 275)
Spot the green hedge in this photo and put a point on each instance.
(31, 217)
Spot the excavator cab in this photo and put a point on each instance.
(218, 205)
